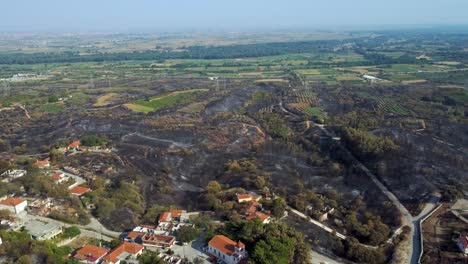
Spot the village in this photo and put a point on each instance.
(175, 238)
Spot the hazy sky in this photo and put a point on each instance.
(124, 15)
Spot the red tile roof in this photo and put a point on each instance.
(78, 190)
(90, 253)
(12, 201)
(165, 217)
(41, 163)
(224, 244)
(74, 144)
(134, 234)
(176, 213)
(262, 216)
(57, 176)
(128, 247)
(244, 196)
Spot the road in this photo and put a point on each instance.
(317, 223)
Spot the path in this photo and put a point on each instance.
(317, 223)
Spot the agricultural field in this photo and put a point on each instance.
(164, 101)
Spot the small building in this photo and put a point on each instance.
(171, 215)
(124, 252)
(42, 164)
(58, 177)
(244, 198)
(74, 146)
(248, 197)
(14, 205)
(71, 170)
(463, 244)
(43, 231)
(90, 254)
(264, 218)
(79, 190)
(162, 241)
(370, 78)
(226, 250)
(10, 175)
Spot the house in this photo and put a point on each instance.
(10, 175)
(244, 198)
(42, 231)
(74, 146)
(248, 197)
(90, 254)
(42, 164)
(78, 190)
(58, 177)
(71, 170)
(163, 241)
(13, 204)
(167, 217)
(264, 218)
(226, 250)
(463, 243)
(125, 251)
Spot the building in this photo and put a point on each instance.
(244, 198)
(371, 78)
(248, 197)
(58, 177)
(162, 241)
(462, 243)
(226, 250)
(78, 190)
(264, 218)
(42, 164)
(74, 146)
(172, 215)
(43, 231)
(124, 252)
(90, 254)
(13, 204)
(10, 175)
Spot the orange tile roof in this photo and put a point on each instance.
(176, 213)
(74, 144)
(91, 253)
(57, 176)
(12, 201)
(134, 234)
(262, 216)
(128, 247)
(165, 217)
(41, 163)
(78, 190)
(244, 196)
(224, 244)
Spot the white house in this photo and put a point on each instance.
(15, 205)
(463, 244)
(226, 250)
(10, 175)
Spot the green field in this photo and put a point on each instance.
(164, 101)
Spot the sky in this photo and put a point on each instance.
(170, 15)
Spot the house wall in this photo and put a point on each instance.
(221, 256)
(15, 209)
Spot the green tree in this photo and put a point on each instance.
(71, 231)
(278, 207)
(187, 233)
(213, 187)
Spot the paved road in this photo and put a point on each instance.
(318, 258)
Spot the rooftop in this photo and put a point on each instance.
(74, 144)
(125, 247)
(225, 245)
(12, 201)
(37, 228)
(90, 253)
(78, 190)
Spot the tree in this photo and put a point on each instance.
(55, 154)
(187, 234)
(260, 182)
(104, 208)
(5, 214)
(70, 232)
(213, 187)
(278, 207)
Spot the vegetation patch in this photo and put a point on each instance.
(164, 101)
